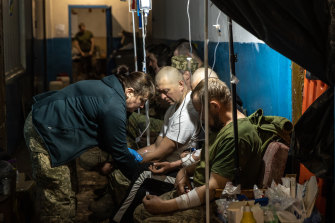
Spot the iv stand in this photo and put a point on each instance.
(144, 69)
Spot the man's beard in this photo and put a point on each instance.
(218, 125)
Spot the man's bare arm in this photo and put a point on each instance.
(76, 44)
(156, 205)
(159, 150)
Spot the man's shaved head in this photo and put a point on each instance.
(169, 75)
(170, 85)
(199, 75)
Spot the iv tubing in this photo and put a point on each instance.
(134, 39)
(206, 110)
(144, 69)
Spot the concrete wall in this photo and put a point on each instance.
(58, 15)
(264, 74)
(18, 55)
(170, 22)
(94, 20)
(57, 30)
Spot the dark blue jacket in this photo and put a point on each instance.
(85, 114)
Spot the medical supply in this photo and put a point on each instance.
(247, 217)
(188, 200)
(187, 160)
(230, 191)
(235, 211)
(145, 6)
(257, 192)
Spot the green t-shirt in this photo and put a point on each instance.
(222, 155)
(84, 40)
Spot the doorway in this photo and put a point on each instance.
(97, 20)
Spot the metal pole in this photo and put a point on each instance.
(232, 60)
(206, 112)
(134, 39)
(135, 48)
(144, 69)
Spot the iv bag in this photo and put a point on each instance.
(145, 5)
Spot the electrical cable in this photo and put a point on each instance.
(189, 26)
(181, 109)
(189, 62)
(218, 28)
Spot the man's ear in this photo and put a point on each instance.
(214, 106)
(181, 84)
(187, 75)
(129, 91)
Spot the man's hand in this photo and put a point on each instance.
(161, 167)
(153, 204)
(183, 154)
(82, 53)
(107, 168)
(182, 180)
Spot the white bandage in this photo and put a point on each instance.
(187, 160)
(189, 200)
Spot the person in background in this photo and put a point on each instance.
(65, 123)
(185, 206)
(84, 42)
(158, 56)
(182, 47)
(186, 66)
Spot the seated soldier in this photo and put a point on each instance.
(181, 126)
(186, 158)
(183, 47)
(180, 131)
(179, 206)
(158, 56)
(186, 67)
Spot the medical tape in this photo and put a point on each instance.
(189, 200)
(187, 160)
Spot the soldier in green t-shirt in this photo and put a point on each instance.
(184, 206)
(84, 42)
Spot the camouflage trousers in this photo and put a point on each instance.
(193, 215)
(93, 159)
(136, 125)
(55, 197)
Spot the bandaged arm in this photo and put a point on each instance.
(197, 196)
(191, 158)
(188, 200)
(156, 205)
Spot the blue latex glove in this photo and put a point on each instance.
(136, 155)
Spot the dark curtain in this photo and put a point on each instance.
(299, 29)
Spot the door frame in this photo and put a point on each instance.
(3, 132)
(108, 28)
